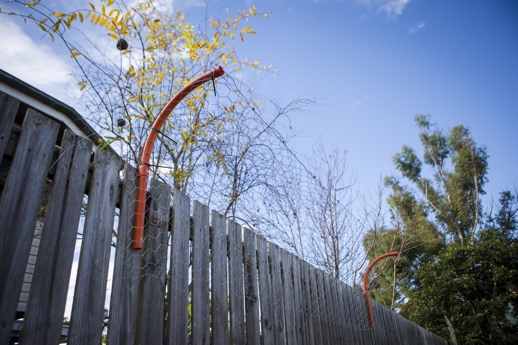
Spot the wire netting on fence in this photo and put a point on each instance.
(200, 276)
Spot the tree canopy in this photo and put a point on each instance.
(456, 274)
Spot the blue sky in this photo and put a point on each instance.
(373, 65)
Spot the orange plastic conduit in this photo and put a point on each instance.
(366, 283)
(143, 172)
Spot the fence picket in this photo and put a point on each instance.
(200, 275)
(253, 335)
(179, 296)
(42, 321)
(219, 280)
(126, 271)
(151, 307)
(265, 291)
(19, 208)
(88, 308)
(236, 283)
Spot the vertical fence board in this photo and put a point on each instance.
(178, 305)
(339, 316)
(289, 307)
(324, 310)
(126, 271)
(356, 302)
(328, 296)
(308, 328)
(251, 289)
(200, 275)
(88, 308)
(154, 254)
(47, 300)
(298, 300)
(219, 280)
(8, 109)
(265, 291)
(278, 303)
(315, 304)
(236, 283)
(19, 207)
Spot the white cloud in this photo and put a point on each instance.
(392, 8)
(416, 28)
(32, 61)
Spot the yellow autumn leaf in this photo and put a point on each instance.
(80, 17)
(58, 15)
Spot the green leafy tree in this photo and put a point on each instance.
(430, 212)
(474, 285)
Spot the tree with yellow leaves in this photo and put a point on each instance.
(218, 144)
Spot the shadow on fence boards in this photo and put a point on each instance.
(66, 215)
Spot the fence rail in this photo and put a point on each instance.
(199, 279)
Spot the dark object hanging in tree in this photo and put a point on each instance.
(122, 44)
(121, 122)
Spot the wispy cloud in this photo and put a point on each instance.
(33, 62)
(392, 8)
(416, 28)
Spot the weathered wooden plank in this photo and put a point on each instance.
(200, 275)
(337, 312)
(330, 314)
(219, 280)
(324, 310)
(126, 271)
(298, 300)
(315, 304)
(152, 285)
(346, 314)
(8, 109)
(277, 295)
(90, 291)
(307, 310)
(46, 304)
(19, 207)
(265, 291)
(253, 335)
(236, 284)
(179, 297)
(289, 307)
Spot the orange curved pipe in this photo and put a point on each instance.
(143, 172)
(366, 283)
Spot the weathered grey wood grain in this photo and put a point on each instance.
(298, 300)
(253, 335)
(330, 308)
(315, 305)
(277, 295)
(126, 271)
(19, 207)
(88, 304)
(152, 288)
(308, 328)
(219, 280)
(8, 109)
(236, 283)
(178, 306)
(265, 291)
(200, 275)
(47, 300)
(289, 306)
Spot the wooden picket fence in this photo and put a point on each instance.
(200, 278)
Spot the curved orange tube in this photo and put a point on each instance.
(366, 283)
(143, 172)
